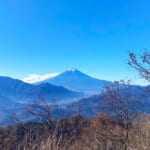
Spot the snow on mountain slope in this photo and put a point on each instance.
(76, 80)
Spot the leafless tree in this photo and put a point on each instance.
(120, 106)
(141, 63)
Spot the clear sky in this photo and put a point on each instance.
(94, 36)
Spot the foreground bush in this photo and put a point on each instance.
(76, 133)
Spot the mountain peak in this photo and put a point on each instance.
(77, 80)
(72, 69)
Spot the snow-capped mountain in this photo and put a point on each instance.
(76, 80)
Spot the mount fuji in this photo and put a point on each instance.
(76, 80)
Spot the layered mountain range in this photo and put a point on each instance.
(71, 85)
(14, 90)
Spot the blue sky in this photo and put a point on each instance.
(45, 36)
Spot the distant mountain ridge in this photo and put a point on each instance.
(76, 80)
(16, 90)
(15, 95)
(71, 85)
